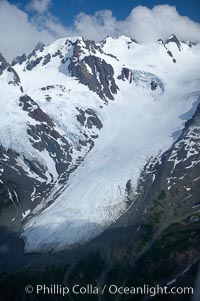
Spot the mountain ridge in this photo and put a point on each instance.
(80, 102)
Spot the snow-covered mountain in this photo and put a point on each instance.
(79, 121)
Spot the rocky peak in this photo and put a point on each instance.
(90, 69)
(33, 59)
(120, 39)
(174, 39)
(70, 49)
(19, 60)
(84, 46)
(3, 64)
(104, 41)
(14, 80)
(40, 46)
(189, 43)
(95, 73)
(171, 39)
(11, 74)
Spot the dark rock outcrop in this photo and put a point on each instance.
(100, 78)
(150, 80)
(33, 63)
(33, 60)
(173, 39)
(43, 135)
(47, 59)
(88, 118)
(16, 80)
(19, 60)
(3, 64)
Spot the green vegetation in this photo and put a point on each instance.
(13, 285)
(115, 276)
(153, 218)
(4, 204)
(86, 272)
(169, 255)
(162, 195)
(88, 269)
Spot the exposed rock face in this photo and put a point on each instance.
(21, 186)
(173, 39)
(34, 110)
(19, 60)
(162, 225)
(32, 63)
(142, 78)
(173, 189)
(24, 181)
(93, 71)
(154, 85)
(16, 80)
(58, 53)
(32, 59)
(81, 45)
(13, 77)
(16, 185)
(43, 135)
(99, 77)
(47, 59)
(169, 187)
(39, 47)
(126, 74)
(3, 64)
(179, 172)
(88, 118)
(155, 242)
(184, 159)
(163, 220)
(83, 63)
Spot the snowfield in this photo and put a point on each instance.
(138, 124)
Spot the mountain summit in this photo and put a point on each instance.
(79, 122)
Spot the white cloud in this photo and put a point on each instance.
(98, 26)
(20, 32)
(148, 25)
(40, 6)
(143, 24)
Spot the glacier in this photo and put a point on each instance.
(138, 124)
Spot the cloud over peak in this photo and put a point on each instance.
(20, 31)
(143, 24)
(150, 24)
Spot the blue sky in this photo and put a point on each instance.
(24, 23)
(66, 10)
